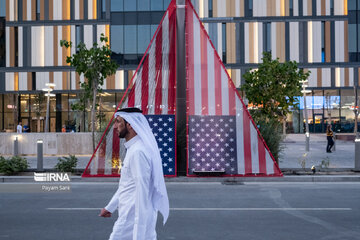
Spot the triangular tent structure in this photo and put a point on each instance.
(221, 135)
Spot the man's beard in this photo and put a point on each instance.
(123, 133)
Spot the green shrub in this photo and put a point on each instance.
(13, 164)
(271, 131)
(66, 164)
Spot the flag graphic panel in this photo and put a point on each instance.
(236, 148)
(153, 90)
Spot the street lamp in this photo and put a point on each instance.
(49, 89)
(307, 134)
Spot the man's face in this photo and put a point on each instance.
(121, 127)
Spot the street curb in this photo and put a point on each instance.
(224, 180)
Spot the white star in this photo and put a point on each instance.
(193, 159)
(203, 149)
(222, 169)
(207, 135)
(208, 164)
(212, 159)
(231, 139)
(216, 144)
(197, 125)
(193, 149)
(198, 154)
(222, 159)
(198, 134)
(155, 124)
(232, 169)
(212, 130)
(227, 164)
(227, 154)
(170, 160)
(170, 139)
(217, 154)
(203, 140)
(203, 159)
(193, 120)
(216, 125)
(198, 164)
(193, 139)
(170, 149)
(231, 149)
(165, 164)
(155, 134)
(150, 119)
(165, 154)
(211, 119)
(207, 125)
(226, 134)
(221, 139)
(231, 130)
(160, 119)
(170, 169)
(193, 130)
(165, 134)
(165, 144)
(212, 149)
(160, 149)
(165, 124)
(217, 164)
(221, 150)
(226, 144)
(202, 130)
(212, 140)
(202, 120)
(170, 119)
(203, 169)
(221, 120)
(230, 120)
(160, 139)
(221, 129)
(208, 154)
(232, 159)
(198, 144)
(212, 169)
(226, 125)
(170, 129)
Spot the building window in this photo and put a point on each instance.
(2, 8)
(143, 38)
(210, 8)
(37, 9)
(2, 42)
(291, 7)
(79, 35)
(224, 42)
(267, 37)
(157, 5)
(129, 5)
(143, 5)
(117, 5)
(117, 43)
(322, 41)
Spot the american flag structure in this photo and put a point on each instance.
(152, 89)
(221, 135)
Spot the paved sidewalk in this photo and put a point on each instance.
(294, 152)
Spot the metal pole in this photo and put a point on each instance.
(307, 134)
(47, 113)
(180, 88)
(40, 160)
(16, 146)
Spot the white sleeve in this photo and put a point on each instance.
(141, 172)
(113, 204)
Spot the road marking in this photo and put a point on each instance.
(220, 209)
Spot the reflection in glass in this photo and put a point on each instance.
(156, 5)
(129, 5)
(143, 5)
(130, 39)
(117, 5)
(143, 38)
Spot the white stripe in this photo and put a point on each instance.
(197, 67)
(240, 137)
(211, 80)
(94, 163)
(219, 209)
(153, 78)
(224, 91)
(254, 149)
(269, 163)
(138, 93)
(165, 64)
(77, 9)
(108, 151)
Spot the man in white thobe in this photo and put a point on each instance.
(142, 192)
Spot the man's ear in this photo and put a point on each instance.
(128, 126)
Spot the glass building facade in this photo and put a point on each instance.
(323, 36)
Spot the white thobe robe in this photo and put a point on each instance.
(137, 216)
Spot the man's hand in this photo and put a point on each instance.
(104, 213)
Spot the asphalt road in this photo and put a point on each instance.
(321, 211)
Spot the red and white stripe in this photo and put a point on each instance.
(153, 90)
(212, 92)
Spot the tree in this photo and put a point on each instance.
(273, 89)
(96, 65)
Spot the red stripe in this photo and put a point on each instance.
(145, 86)
(131, 97)
(262, 156)
(232, 93)
(158, 72)
(172, 64)
(102, 152)
(204, 75)
(190, 62)
(247, 143)
(115, 151)
(217, 78)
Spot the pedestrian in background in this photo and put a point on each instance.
(330, 140)
(142, 191)
(19, 128)
(63, 129)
